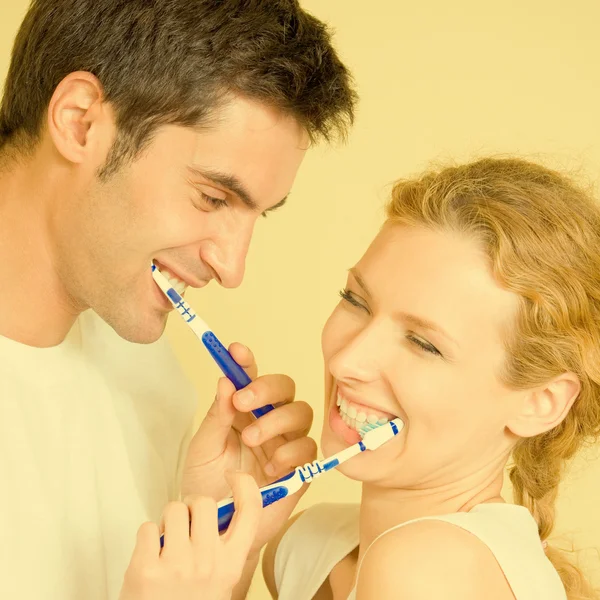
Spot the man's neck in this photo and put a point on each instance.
(34, 307)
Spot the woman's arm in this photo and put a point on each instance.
(268, 563)
(431, 559)
(241, 589)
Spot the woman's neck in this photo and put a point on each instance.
(383, 508)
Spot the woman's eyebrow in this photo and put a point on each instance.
(424, 324)
(361, 282)
(405, 317)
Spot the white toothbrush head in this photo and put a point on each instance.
(183, 308)
(377, 437)
(161, 280)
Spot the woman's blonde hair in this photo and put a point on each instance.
(541, 233)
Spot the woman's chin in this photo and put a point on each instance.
(359, 468)
(367, 467)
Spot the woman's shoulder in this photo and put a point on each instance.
(493, 551)
(431, 559)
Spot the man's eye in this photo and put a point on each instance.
(215, 203)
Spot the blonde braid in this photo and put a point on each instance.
(535, 477)
(538, 465)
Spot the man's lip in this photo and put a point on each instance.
(187, 279)
(355, 399)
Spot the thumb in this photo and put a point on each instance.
(211, 436)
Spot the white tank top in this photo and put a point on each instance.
(324, 534)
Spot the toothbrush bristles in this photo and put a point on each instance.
(368, 427)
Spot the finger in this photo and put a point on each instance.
(248, 511)
(290, 455)
(245, 358)
(204, 530)
(216, 425)
(176, 518)
(293, 421)
(268, 389)
(147, 546)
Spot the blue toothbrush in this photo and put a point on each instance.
(231, 369)
(293, 482)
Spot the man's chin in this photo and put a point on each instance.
(145, 338)
(138, 330)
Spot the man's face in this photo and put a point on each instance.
(189, 202)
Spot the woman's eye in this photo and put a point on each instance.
(349, 297)
(425, 346)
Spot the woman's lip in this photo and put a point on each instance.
(343, 392)
(337, 426)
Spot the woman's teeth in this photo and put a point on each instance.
(355, 417)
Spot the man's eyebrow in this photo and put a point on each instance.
(233, 184)
(404, 316)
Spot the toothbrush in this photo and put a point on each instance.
(293, 482)
(231, 369)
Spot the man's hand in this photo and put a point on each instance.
(196, 562)
(231, 439)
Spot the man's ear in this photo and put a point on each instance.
(545, 407)
(75, 108)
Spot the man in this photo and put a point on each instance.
(132, 132)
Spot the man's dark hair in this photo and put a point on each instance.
(175, 62)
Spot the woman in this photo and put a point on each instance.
(474, 316)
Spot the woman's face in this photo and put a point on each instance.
(418, 335)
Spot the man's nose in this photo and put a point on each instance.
(226, 256)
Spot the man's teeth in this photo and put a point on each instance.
(355, 418)
(178, 285)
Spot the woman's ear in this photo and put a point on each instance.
(546, 407)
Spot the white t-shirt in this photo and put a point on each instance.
(92, 436)
(326, 533)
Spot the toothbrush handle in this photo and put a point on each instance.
(269, 496)
(226, 509)
(231, 369)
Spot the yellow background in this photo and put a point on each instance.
(437, 80)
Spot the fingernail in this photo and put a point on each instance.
(270, 469)
(251, 434)
(245, 397)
